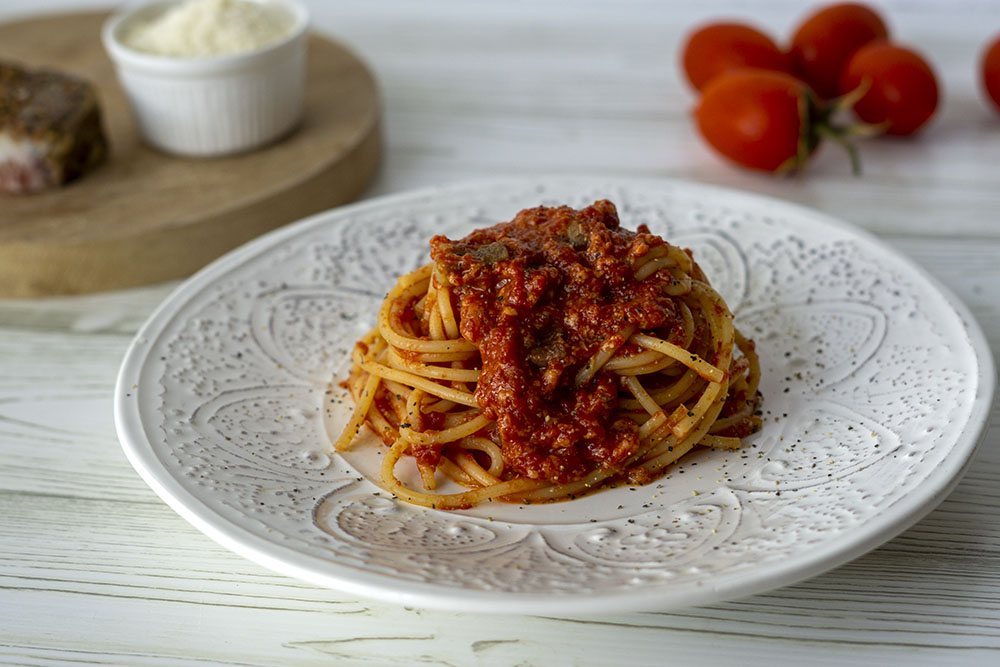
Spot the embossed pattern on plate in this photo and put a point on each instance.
(876, 388)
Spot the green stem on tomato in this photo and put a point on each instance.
(838, 137)
(817, 125)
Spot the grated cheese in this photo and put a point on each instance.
(200, 28)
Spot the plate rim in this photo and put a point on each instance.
(889, 523)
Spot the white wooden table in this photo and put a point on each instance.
(95, 568)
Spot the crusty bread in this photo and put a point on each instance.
(50, 129)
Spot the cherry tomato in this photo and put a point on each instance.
(757, 118)
(826, 41)
(903, 92)
(722, 47)
(991, 71)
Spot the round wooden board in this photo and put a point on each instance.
(145, 216)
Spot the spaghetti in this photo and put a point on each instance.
(549, 356)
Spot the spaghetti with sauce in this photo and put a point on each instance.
(549, 356)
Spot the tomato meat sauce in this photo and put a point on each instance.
(540, 295)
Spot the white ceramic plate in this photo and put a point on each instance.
(876, 388)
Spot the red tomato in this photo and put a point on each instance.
(757, 118)
(722, 47)
(991, 71)
(826, 41)
(903, 92)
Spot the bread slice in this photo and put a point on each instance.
(50, 129)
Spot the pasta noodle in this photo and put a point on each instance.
(544, 358)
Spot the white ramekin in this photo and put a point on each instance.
(212, 105)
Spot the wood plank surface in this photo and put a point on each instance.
(95, 569)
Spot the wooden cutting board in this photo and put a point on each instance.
(145, 216)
